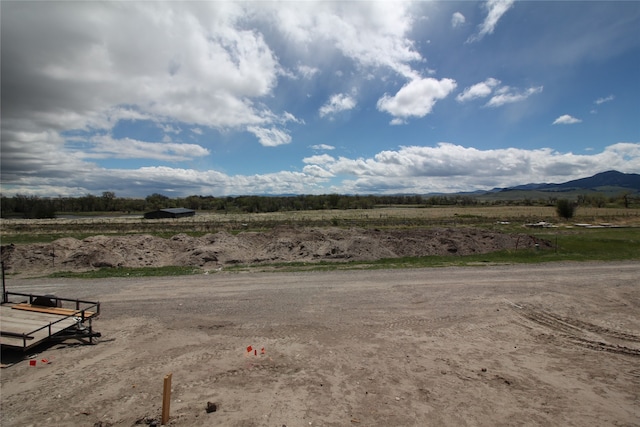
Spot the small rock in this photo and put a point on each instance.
(211, 407)
(484, 369)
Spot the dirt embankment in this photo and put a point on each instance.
(282, 244)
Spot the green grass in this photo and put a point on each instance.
(129, 272)
(42, 238)
(35, 238)
(596, 244)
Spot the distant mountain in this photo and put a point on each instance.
(604, 179)
(610, 181)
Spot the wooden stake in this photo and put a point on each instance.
(166, 398)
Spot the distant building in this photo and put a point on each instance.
(169, 213)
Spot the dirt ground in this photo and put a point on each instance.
(521, 345)
(282, 244)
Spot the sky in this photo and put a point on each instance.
(303, 97)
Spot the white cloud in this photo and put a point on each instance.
(307, 72)
(397, 122)
(412, 169)
(79, 70)
(319, 159)
(605, 99)
(478, 90)
(31, 156)
(416, 98)
(566, 119)
(168, 128)
(84, 73)
(317, 171)
(374, 34)
(76, 74)
(323, 147)
(450, 168)
(457, 19)
(495, 10)
(126, 148)
(337, 103)
(508, 95)
(287, 117)
(270, 137)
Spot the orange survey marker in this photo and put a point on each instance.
(250, 350)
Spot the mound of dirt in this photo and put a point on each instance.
(282, 244)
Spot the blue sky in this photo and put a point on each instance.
(230, 98)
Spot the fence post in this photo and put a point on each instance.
(4, 289)
(166, 398)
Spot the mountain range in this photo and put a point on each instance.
(609, 182)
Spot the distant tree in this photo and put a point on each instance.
(625, 199)
(565, 208)
(107, 200)
(157, 201)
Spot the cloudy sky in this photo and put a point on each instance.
(230, 98)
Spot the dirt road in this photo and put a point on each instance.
(550, 344)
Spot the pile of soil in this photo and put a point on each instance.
(282, 244)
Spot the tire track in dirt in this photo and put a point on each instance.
(581, 333)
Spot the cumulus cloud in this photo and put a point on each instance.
(566, 119)
(457, 19)
(449, 167)
(416, 98)
(478, 90)
(172, 181)
(73, 69)
(87, 67)
(509, 95)
(270, 137)
(373, 34)
(319, 159)
(337, 103)
(317, 171)
(445, 167)
(85, 83)
(495, 10)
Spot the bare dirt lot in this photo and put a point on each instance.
(282, 244)
(549, 344)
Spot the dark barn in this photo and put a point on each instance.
(170, 213)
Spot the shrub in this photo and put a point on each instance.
(565, 208)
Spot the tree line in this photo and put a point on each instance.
(24, 206)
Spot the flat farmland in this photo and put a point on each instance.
(206, 222)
